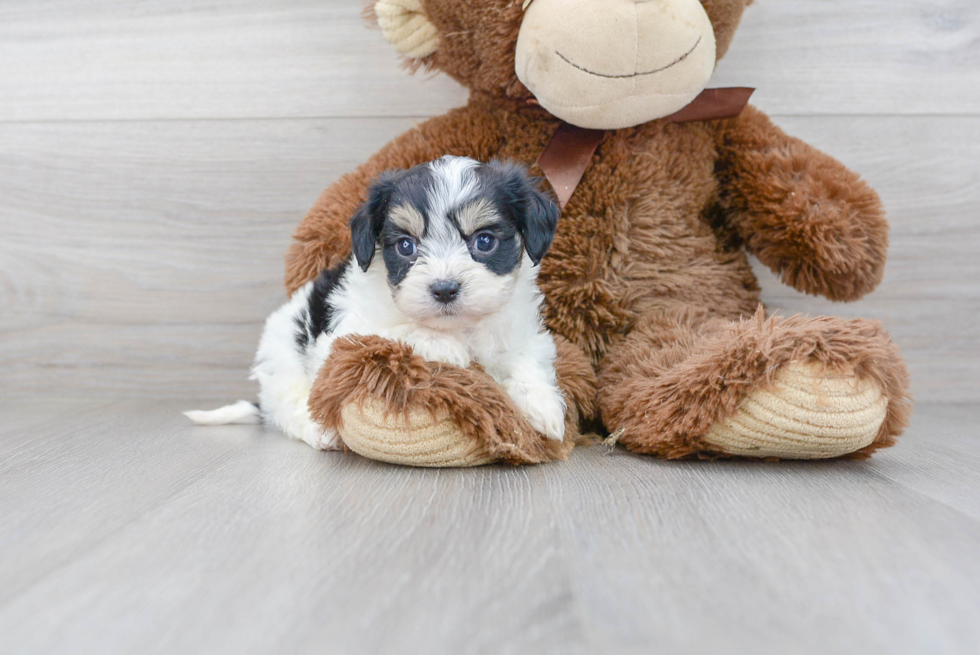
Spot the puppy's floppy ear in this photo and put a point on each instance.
(540, 223)
(369, 219)
(535, 213)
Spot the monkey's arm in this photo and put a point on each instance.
(322, 239)
(815, 223)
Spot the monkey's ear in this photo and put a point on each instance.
(405, 26)
(369, 219)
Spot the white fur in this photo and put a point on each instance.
(495, 321)
(242, 412)
(285, 376)
(452, 188)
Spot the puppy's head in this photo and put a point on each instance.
(452, 235)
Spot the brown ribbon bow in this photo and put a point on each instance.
(570, 149)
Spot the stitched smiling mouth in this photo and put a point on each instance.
(657, 70)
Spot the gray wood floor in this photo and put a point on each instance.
(127, 531)
(154, 158)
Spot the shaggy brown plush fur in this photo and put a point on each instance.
(803, 214)
(647, 276)
(372, 367)
(653, 380)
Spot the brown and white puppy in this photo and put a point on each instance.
(445, 260)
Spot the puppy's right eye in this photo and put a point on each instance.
(406, 247)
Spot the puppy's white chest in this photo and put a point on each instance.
(434, 346)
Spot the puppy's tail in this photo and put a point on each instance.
(241, 412)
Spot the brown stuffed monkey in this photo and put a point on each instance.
(649, 293)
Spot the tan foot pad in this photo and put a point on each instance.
(412, 440)
(807, 413)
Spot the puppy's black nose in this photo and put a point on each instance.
(445, 290)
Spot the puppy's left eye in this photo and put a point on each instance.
(485, 242)
(406, 247)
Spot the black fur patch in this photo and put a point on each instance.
(413, 189)
(507, 255)
(316, 316)
(369, 223)
(397, 265)
(369, 219)
(516, 197)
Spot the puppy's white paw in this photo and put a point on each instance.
(544, 408)
(321, 439)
